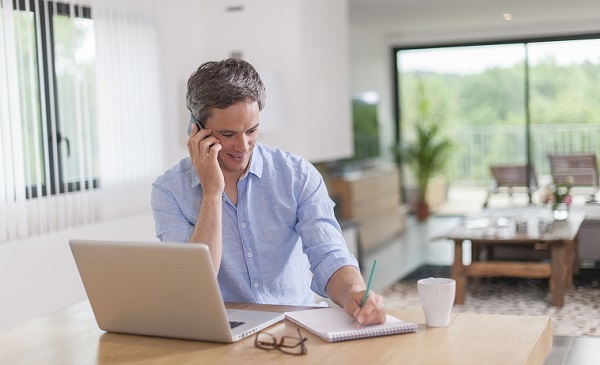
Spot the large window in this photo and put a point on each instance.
(80, 101)
(506, 103)
(55, 57)
(564, 98)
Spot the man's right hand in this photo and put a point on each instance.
(204, 148)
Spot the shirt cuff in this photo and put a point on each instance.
(327, 268)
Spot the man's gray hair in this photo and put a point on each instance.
(220, 84)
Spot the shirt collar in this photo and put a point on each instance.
(256, 162)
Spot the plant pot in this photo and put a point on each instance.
(422, 211)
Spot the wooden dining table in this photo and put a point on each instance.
(71, 336)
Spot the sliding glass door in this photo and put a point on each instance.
(477, 95)
(564, 99)
(503, 104)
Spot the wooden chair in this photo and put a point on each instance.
(581, 168)
(506, 178)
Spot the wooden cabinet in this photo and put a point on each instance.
(372, 198)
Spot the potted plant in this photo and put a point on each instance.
(426, 151)
(426, 156)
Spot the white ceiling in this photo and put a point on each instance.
(439, 21)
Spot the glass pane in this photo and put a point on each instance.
(74, 54)
(27, 71)
(476, 95)
(564, 103)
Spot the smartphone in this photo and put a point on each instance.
(191, 123)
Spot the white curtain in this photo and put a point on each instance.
(129, 102)
(79, 133)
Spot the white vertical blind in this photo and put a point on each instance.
(79, 120)
(128, 102)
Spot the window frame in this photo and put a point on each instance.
(54, 176)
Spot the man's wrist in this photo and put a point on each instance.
(212, 198)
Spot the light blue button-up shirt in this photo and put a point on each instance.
(282, 225)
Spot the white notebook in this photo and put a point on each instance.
(333, 324)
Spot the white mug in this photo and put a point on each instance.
(437, 298)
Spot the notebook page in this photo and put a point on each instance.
(333, 324)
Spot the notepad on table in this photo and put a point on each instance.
(333, 324)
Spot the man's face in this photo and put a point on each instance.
(236, 127)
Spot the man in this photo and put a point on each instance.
(260, 210)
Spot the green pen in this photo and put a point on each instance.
(369, 284)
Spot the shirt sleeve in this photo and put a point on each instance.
(320, 231)
(170, 223)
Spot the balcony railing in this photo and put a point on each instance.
(478, 147)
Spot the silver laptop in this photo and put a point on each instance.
(161, 289)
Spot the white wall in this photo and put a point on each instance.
(305, 42)
(38, 275)
(181, 39)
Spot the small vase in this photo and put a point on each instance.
(560, 211)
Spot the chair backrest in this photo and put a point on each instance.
(581, 168)
(513, 175)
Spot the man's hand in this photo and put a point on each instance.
(346, 288)
(372, 313)
(204, 148)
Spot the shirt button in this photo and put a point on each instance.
(255, 285)
(249, 254)
(243, 225)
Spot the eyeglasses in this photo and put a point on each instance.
(288, 344)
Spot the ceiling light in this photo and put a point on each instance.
(507, 16)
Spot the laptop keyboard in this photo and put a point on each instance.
(234, 324)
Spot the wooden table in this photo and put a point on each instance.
(71, 336)
(497, 227)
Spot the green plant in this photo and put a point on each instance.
(428, 151)
(426, 155)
